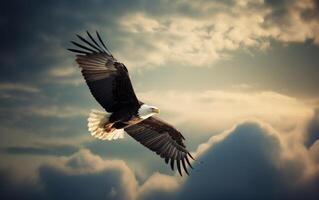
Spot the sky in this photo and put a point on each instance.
(239, 79)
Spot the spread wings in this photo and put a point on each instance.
(163, 139)
(109, 83)
(108, 80)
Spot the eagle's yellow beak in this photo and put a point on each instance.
(156, 110)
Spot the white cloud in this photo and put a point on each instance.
(18, 87)
(211, 35)
(216, 109)
(65, 71)
(140, 23)
(158, 182)
(55, 111)
(85, 162)
(64, 74)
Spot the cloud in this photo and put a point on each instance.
(63, 74)
(249, 163)
(150, 33)
(217, 109)
(26, 57)
(312, 130)
(159, 186)
(57, 111)
(251, 160)
(294, 20)
(10, 190)
(211, 30)
(62, 71)
(212, 111)
(54, 111)
(82, 176)
(286, 114)
(12, 91)
(240, 166)
(18, 87)
(314, 151)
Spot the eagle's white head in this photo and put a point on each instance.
(146, 111)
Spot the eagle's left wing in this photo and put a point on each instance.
(108, 79)
(163, 139)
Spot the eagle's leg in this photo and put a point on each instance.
(120, 125)
(109, 127)
(119, 120)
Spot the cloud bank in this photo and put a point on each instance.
(251, 160)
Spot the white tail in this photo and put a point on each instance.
(97, 122)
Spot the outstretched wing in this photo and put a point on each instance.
(108, 80)
(163, 139)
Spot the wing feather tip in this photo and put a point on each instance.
(190, 155)
(184, 166)
(188, 162)
(172, 163)
(179, 167)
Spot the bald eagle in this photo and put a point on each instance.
(109, 83)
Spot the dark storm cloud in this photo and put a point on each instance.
(35, 33)
(56, 184)
(238, 168)
(282, 10)
(243, 166)
(9, 190)
(82, 176)
(311, 14)
(35, 37)
(279, 11)
(35, 30)
(59, 185)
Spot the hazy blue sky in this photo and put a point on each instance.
(239, 78)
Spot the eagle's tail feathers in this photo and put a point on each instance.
(100, 127)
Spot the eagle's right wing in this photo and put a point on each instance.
(108, 80)
(163, 139)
